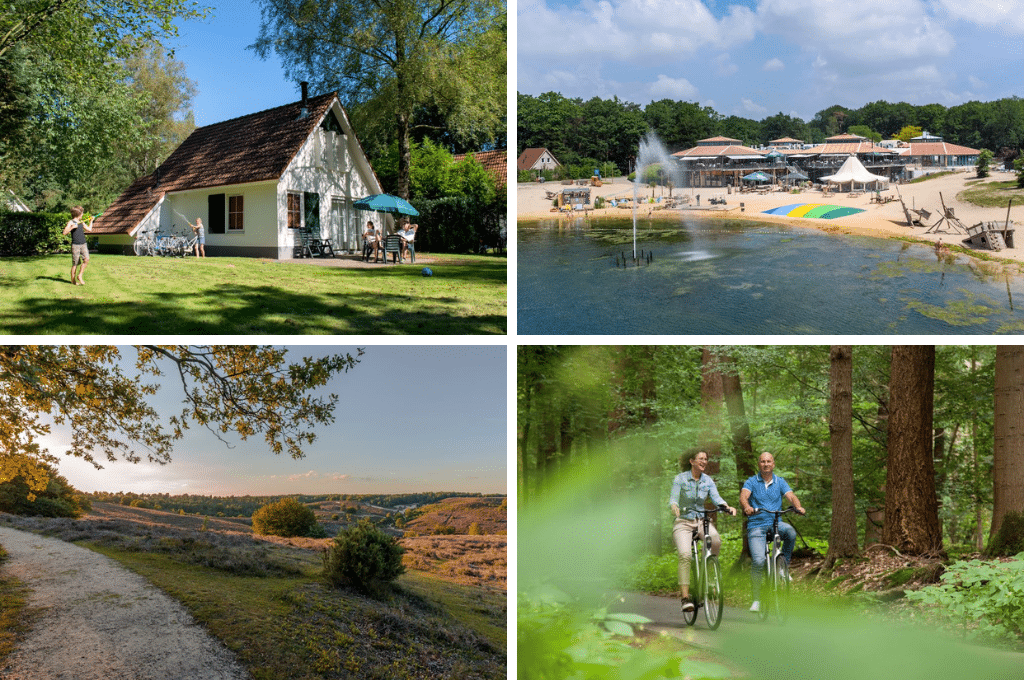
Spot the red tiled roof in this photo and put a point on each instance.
(528, 158)
(723, 150)
(940, 149)
(785, 140)
(725, 141)
(495, 162)
(252, 148)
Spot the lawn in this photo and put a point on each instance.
(243, 296)
(992, 194)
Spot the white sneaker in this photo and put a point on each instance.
(687, 606)
(756, 607)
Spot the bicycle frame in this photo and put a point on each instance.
(704, 593)
(776, 569)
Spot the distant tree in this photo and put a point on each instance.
(1018, 167)
(908, 132)
(244, 389)
(474, 529)
(395, 58)
(866, 132)
(984, 159)
(58, 499)
(286, 517)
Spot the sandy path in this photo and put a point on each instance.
(100, 621)
(886, 220)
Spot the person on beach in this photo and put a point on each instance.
(197, 229)
(79, 248)
(689, 492)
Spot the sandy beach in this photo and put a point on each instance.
(880, 220)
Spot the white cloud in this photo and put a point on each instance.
(751, 110)
(1006, 15)
(672, 88)
(976, 83)
(305, 475)
(724, 66)
(773, 65)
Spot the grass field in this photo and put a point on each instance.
(467, 294)
(992, 194)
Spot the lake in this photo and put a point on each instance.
(712, 277)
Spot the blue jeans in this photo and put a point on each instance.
(756, 537)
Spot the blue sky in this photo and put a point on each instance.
(231, 80)
(409, 418)
(757, 58)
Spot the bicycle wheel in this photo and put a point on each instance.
(767, 585)
(780, 591)
(690, 617)
(714, 599)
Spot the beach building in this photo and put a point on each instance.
(928, 154)
(256, 181)
(720, 161)
(536, 159)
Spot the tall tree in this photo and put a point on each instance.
(842, 541)
(247, 390)
(1008, 459)
(397, 56)
(911, 506)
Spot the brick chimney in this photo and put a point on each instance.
(305, 99)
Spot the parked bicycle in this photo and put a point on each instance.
(161, 243)
(707, 591)
(778, 579)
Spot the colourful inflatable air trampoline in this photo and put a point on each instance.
(818, 210)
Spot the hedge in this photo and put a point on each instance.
(24, 233)
(457, 224)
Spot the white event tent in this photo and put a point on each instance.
(853, 172)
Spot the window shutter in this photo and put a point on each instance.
(216, 213)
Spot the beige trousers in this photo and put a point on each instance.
(682, 533)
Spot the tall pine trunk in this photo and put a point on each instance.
(1008, 435)
(911, 506)
(842, 541)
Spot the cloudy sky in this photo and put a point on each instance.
(409, 418)
(756, 58)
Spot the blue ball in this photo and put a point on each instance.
(427, 271)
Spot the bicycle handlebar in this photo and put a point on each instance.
(779, 512)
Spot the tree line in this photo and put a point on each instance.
(92, 97)
(597, 131)
(918, 448)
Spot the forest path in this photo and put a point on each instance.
(666, 617)
(97, 620)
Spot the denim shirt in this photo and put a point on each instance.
(689, 493)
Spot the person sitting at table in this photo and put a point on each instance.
(371, 241)
(408, 234)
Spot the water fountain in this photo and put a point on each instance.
(653, 153)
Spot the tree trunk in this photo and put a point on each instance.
(712, 399)
(911, 507)
(842, 541)
(742, 446)
(1008, 435)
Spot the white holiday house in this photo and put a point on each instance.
(255, 181)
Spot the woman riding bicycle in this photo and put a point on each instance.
(765, 491)
(689, 491)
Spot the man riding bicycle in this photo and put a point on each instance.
(765, 491)
(689, 491)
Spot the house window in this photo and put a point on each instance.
(235, 213)
(294, 211)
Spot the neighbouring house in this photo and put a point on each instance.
(536, 159)
(255, 181)
(13, 203)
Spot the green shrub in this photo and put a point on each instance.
(364, 557)
(984, 597)
(1009, 540)
(59, 499)
(286, 517)
(33, 233)
(457, 224)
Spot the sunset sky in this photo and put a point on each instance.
(409, 418)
